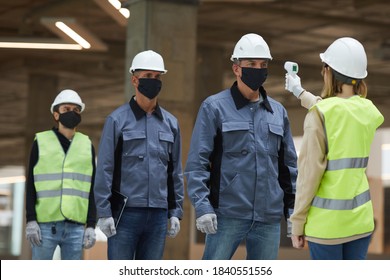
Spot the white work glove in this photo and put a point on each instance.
(207, 223)
(33, 233)
(107, 226)
(89, 238)
(174, 227)
(293, 84)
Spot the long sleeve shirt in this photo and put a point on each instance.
(308, 99)
(311, 165)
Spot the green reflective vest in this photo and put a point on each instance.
(342, 206)
(63, 181)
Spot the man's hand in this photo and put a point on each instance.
(89, 238)
(107, 226)
(33, 233)
(174, 227)
(207, 223)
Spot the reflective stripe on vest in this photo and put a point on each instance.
(46, 194)
(63, 181)
(342, 206)
(347, 163)
(60, 176)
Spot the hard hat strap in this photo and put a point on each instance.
(344, 79)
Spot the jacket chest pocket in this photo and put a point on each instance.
(134, 144)
(236, 137)
(275, 136)
(165, 145)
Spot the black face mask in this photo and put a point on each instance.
(254, 77)
(70, 119)
(149, 87)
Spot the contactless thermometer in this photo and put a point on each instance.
(291, 68)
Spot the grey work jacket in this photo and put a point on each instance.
(140, 154)
(242, 161)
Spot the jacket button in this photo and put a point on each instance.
(244, 152)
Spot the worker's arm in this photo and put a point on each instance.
(31, 194)
(293, 85)
(311, 165)
(105, 168)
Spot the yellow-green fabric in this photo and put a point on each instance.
(342, 206)
(63, 181)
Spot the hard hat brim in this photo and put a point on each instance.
(252, 57)
(156, 70)
(82, 105)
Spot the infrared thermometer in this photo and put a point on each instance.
(291, 68)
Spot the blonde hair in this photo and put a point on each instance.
(332, 86)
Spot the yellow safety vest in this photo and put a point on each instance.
(342, 206)
(63, 181)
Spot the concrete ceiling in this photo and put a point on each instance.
(296, 30)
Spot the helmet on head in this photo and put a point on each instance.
(346, 56)
(67, 96)
(148, 60)
(251, 46)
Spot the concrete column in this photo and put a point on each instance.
(42, 89)
(169, 28)
(211, 65)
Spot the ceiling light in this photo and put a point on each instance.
(37, 45)
(72, 31)
(115, 10)
(125, 12)
(72, 34)
(117, 5)
(68, 29)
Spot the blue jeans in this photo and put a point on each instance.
(353, 250)
(68, 236)
(140, 235)
(262, 240)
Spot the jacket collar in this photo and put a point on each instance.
(240, 101)
(139, 112)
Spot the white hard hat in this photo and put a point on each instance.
(346, 56)
(251, 46)
(67, 96)
(148, 60)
